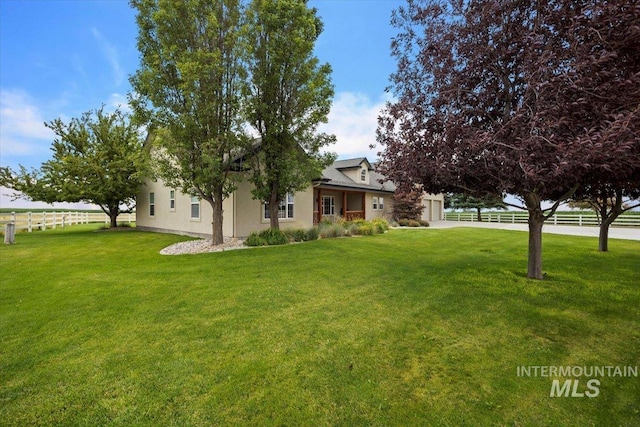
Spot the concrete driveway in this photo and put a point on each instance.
(628, 233)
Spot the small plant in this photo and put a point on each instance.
(311, 234)
(413, 223)
(255, 240)
(403, 222)
(423, 222)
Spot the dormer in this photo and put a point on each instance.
(358, 170)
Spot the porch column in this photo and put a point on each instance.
(364, 207)
(319, 205)
(344, 204)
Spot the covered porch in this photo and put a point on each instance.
(333, 203)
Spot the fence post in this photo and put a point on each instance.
(555, 220)
(63, 219)
(13, 217)
(43, 227)
(29, 230)
(10, 233)
(580, 220)
(54, 219)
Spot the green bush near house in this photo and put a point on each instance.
(331, 229)
(296, 235)
(381, 225)
(404, 222)
(311, 234)
(254, 239)
(268, 237)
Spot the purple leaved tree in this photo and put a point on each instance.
(487, 101)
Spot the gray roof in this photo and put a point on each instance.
(333, 176)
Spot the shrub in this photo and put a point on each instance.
(381, 225)
(274, 236)
(270, 236)
(366, 229)
(352, 229)
(327, 231)
(404, 222)
(255, 240)
(311, 234)
(297, 235)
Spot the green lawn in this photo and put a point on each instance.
(414, 327)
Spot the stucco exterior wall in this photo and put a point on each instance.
(386, 212)
(178, 220)
(250, 213)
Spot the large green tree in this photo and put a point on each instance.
(188, 89)
(97, 158)
(288, 95)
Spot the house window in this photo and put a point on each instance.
(152, 204)
(363, 175)
(172, 200)
(378, 203)
(195, 207)
(285, 210)
(328, 205)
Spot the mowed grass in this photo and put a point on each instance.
(414, 327)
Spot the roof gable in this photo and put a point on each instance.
(352, 163)
(335, 176)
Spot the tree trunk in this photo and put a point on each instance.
(607, 219)
(114, 220)
(536, 221)
(216, 222)
(113, 216)
(274, 207)
(479, 214)
(603, 237)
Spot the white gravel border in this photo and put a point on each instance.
(202, 246)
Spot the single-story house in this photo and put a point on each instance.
(348, 188)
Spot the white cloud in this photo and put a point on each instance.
(112, 56)
(23, 131)
(120, 102)
(353, 120)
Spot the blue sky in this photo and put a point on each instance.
(62, 58)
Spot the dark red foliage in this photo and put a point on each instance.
(532, 98)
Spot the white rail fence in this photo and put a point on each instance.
(586, 219)
(42, 220)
